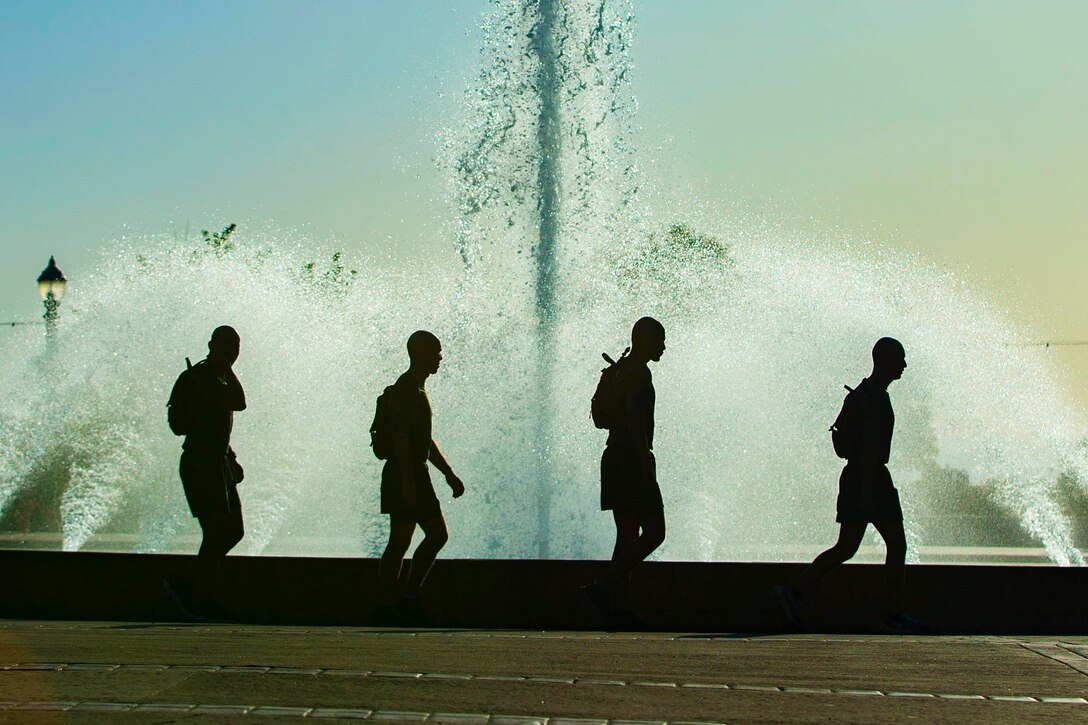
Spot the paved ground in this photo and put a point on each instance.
(93, 672)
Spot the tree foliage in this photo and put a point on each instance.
(673, 262)
(335, 278)
(219, 242)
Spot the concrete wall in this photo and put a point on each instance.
(678, 596)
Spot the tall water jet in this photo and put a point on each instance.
(549, 139)
(535, 167)
(548, 132)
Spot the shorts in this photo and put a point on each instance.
(623, 487)
(424, 506)
(221, 527)
(209, 486)
(885, 499)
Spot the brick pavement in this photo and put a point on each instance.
(84, 672)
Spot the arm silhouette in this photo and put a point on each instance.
(439, 461)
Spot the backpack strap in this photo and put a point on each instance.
(842, 411)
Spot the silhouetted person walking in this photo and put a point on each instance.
(629, 487)
(866, 492)
(201, 407)
(402, 426)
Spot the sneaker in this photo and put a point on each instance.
(600, 599)
(180, 594)
(624, 621)
(384, 615)
(902, 623)
(211, 613)
(410, 612)
(789, 599)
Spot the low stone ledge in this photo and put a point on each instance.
(711, 598)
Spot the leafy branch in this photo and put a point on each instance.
(219, 242)
(336, 278)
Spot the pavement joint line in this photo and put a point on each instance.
(194, 668)
(1058, 654)
(130, 669)
(89, 667)
(1078, 650)
(275, 711)
(500, 678)
(222, 709)
(280, 711)
(399, 715)
(104, 706)
(163, 707)
(894, 693)
(340, 713)
(443, 676)
(52, 706)
(110, 668)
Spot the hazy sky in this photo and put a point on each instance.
(957, 129)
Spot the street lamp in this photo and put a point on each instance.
(51, 284)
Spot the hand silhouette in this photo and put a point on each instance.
(456, 485)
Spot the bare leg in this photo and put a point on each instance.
(626, 531)
(435, 536)
(632, 547)
(221, 533)
(617, 582)
(390, 568)
(850, 536)
(895, 541)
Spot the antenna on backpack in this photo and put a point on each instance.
(188, 365)
(610, 361)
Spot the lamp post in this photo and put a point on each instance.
(51, 284)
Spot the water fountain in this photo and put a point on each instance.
(562, 249)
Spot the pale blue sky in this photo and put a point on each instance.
(148, 114)
(957, 129)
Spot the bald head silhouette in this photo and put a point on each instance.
(425, 352)
(889, 360)
(225, 344)
(647, 339)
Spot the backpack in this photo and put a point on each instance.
(606, 408)
(844, 432)
(381, 438)
(179, 414)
